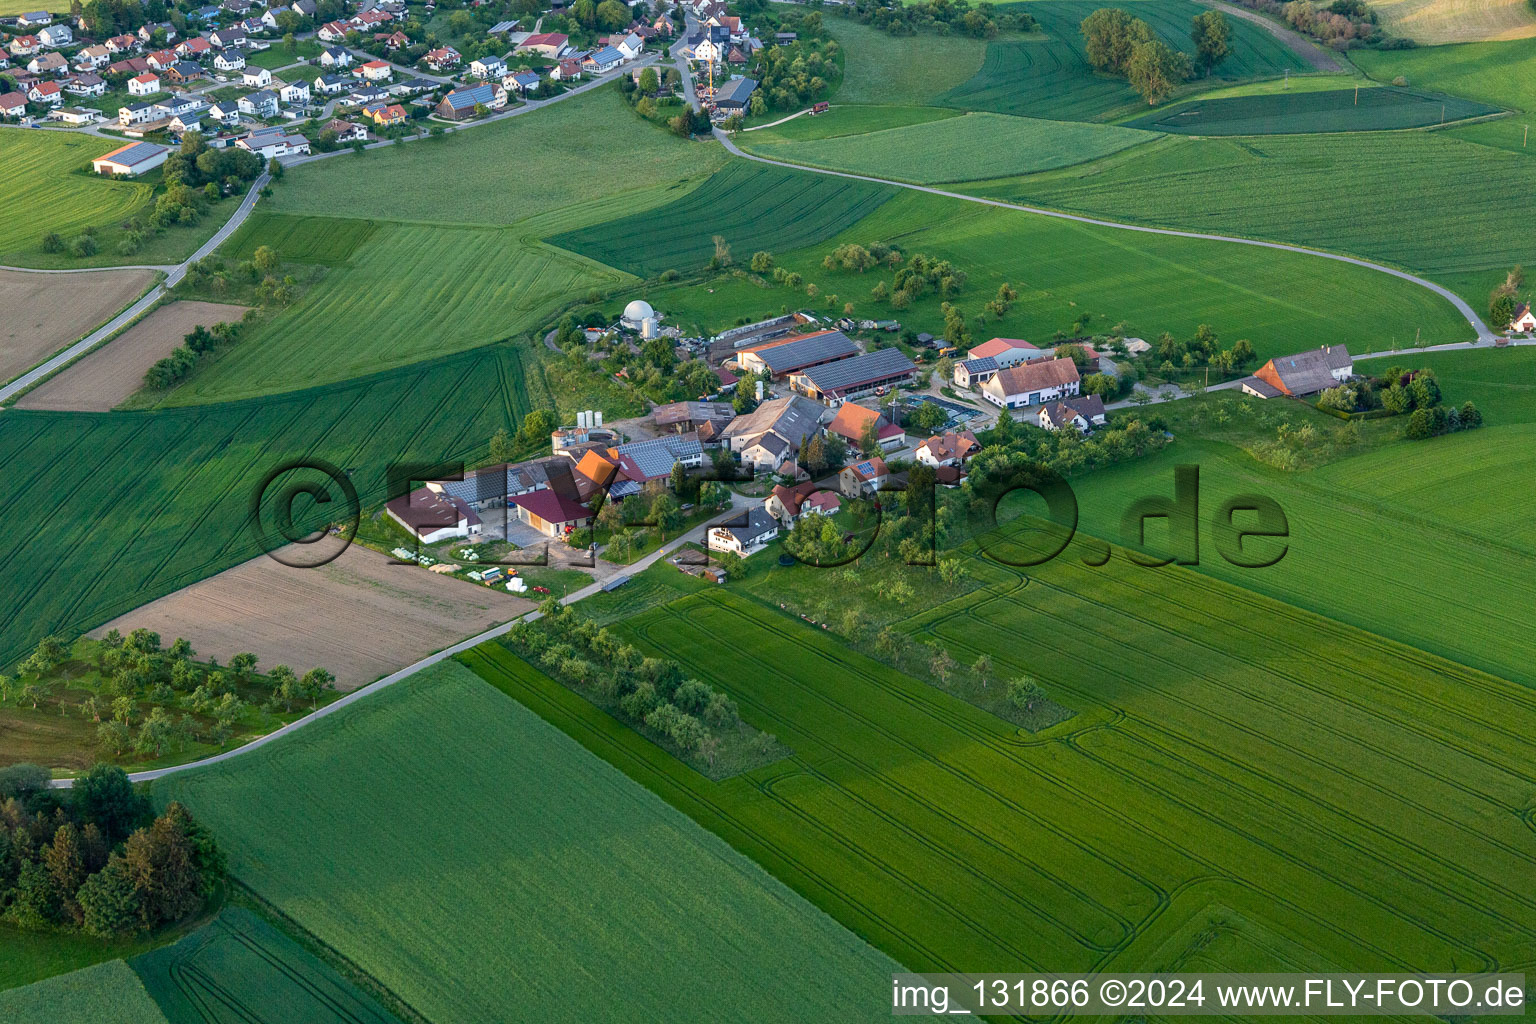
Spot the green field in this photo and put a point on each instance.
(1070, 274)
(39, 191)
(1344, 193)
(279, 56)
(299, 239)
(92, 995)
(1215, 778)
(240, 969)
(845, 119)
(502, 172)
(1050, 76)
(1341, 110)
(547, 865)
(958, 148)
(111, 510)
(1502, 73)
(880, 68)
(411, 292)
(752, 206)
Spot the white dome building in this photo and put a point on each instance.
(636, 313)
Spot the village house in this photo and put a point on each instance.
(630, 46)
(787, 504)
(25, 46)
(972, 373)
(566, 71)
(863, 478)
(49, 93)
(522, 82)
(229, 60)
(487, 67)
(683, 417)
(133, 159)
(953, 448)
(460, 103)
(797, 352)
(386, 114)
(335, 57)
(184, 71)
(331, 85)
(374, 71)
(851, 421)
(256, 78)
(1524, 321)
(197, 47)
(75, 115)
(1305, 373)
(1005, 352)
(872, 372)
(123, 44)
(442, 58)
(223, 38)
(160, 60)
(56, 35)
(261, 103)
(1044, 380)
(92, 57)
(332, 32)
(164, 29)
(756, 533)
(48, 64)
(269, 143)
(13, 105)
(769, 437)
(128, 66)
(294, 94)
(87, 83)
(137, 113)
(224, 112)
(347, 131)
(602, 61)
(433, 516)
(1084, 413)
(34, 19)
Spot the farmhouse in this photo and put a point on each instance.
(734, 95)
(770, 436)
(460, 103)
(949, 449)
(795, 353)
(973, 373)
(681, 417)
(1084, 413)
(1032, 383)
(133, 159)
(653, 458)
(1305, 373)
(1524, 321)
(863, 478)
(1005, 352)
(747, 539)
(547, 44)
(849, 378)
(851, 421)
(434, 516)
(550, 512)
(787, 504)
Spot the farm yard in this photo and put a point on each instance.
(751, 206)
(114, 371)
(109, 511)
(1321, 191)
(47, 312)
(40, 190)
(361, 616)
(957, 148)
(547, 842)
(1341, 110)
(1211, 779)
(408, 293)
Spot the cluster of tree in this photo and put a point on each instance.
(1118, 43)
(1437, 420)
(197, 166)
(94, 859)
(82, 245)
(1203, 350)
(692, 121)
(1011, 446)
(653, 93)
(920, 275)
(983, 21)
(603, 16)
(173, 369)
(534, 432)
(686, 715)
(790, 75)
(818, 540)
(826, 451)
(1401, 390)
(658, 507)
(1342, 24)
(1502, 300)
(136, 670)
(104, 18)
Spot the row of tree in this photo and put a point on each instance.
(171, 370)
(95, 859)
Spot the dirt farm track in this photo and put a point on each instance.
(360, 616)
(112, 372)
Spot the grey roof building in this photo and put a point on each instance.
(735, 94)
(847, 378)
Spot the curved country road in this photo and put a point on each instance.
(1484, 335)
(173, 275)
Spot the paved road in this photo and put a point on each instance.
(1484, 335)
(173, 275)
(604, 574)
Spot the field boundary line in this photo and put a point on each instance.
(1484, 334)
